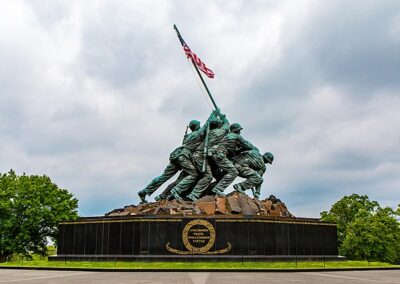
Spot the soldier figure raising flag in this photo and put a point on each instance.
(217, 147)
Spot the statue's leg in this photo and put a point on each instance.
(167, 191)
(192, 175)
(204, 181)
(256, 191)
(253, 178)
(230, 172)
(238, 186)
(168, 173)
(209, 188)
(217, 175)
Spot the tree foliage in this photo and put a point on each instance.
(346, 210)
(30, 209)
(365, 230)
(373, 237)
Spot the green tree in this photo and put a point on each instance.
(30, 209)
(346, 210)
(373, 236)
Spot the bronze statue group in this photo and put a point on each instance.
(216, 151)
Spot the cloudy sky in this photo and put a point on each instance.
(96, 94)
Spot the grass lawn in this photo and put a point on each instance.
(37, 262)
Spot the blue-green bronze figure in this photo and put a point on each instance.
(251, 166)
(215, 151)
(180, 159)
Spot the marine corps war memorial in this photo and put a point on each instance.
(195, 217)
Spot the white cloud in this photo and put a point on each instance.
(96, 94)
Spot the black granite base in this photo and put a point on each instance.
(205, 238)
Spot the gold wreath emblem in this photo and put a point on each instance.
(198, 250)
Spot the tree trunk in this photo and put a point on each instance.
(4, 256)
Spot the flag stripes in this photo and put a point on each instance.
(196, 60)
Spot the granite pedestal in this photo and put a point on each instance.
(198, 238)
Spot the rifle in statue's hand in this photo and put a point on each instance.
(205, 150)
(184, 136)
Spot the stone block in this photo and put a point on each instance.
(196, 210)
(233, 204)
(206, 207)
(253, 205)
(248, 211)
(281, 206)
(267, 204)
(285, 214)
(131, 209)
(221, 205)
(242, 200)
(173, 211)
(187, 212)
(187, 206)
(274, 212)
(161, 210)
(244, 203)
(207, 198)
(146, 211)
(259, 204)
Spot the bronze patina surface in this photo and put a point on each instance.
(210, 158)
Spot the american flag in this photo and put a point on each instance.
(200, 64)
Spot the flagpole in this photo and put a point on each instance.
(197, 69)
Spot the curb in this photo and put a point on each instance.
(198, 270)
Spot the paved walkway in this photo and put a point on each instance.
(58, 277)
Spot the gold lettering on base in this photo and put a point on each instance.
(198, 237)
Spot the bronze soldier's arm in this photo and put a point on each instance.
(225, 122)
(256, 161)
(192, 139)
(203, 129)
(262, 171)
(246, 145)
